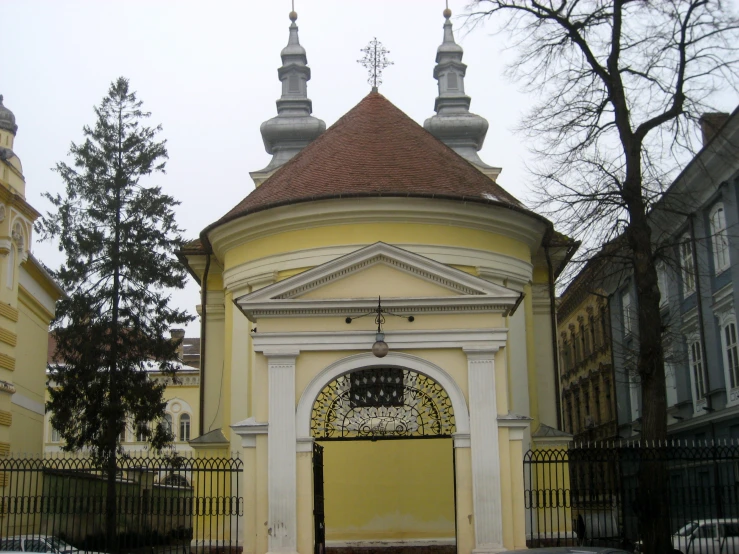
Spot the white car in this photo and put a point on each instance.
(708, 536)
(38, 543)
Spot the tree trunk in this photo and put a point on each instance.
(653, 497)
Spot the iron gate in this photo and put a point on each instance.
(319, 518)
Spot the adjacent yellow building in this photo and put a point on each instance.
(27, 299)
(378, 332)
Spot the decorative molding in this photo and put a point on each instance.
(6, 387)
(491, 266)
(390, 543)
(7, 362)
(8, 337)
(8, 312)
(475, 294)
(461, 440)
(516, 425)
(368, 360)
(305, 444)
(6, 418)
(24, 402)
(4, 449)
(305, 215)
(397, 339)
(248, 430)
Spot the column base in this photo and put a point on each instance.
(489, 550)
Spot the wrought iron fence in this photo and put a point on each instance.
(589, 494)
(180, 504)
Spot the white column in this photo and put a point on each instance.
(486, 491)
(282, 470)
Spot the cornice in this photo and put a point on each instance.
(493, 219)
(498, 268)
(397, 339)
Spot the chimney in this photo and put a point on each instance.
(178, 335)
(711, 123)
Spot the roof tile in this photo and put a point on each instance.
(373, 150)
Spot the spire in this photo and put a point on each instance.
(454, 124)
(293, 128)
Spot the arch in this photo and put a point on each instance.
(368, 360)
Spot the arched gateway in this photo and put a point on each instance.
(404, 481)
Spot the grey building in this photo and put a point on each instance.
(695, 227)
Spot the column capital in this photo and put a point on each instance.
(305, 444)
(281, 356)
(478, 353)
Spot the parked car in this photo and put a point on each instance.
(38, 543)
(706, 536)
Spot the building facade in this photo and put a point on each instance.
(587, 377)
(27, 301)
(182, 395)
(378, 284)
(694, 225)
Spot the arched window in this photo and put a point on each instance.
(719, 238)
(185, 427)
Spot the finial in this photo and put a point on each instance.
(447, 12)
(374, 61)
(1, 98)
(293, 14)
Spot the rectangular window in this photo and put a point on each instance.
(696, 363)
(55, 436)
(596, 395)
(609, 413)
(662, 284)
(732, 353)
(686, 265)
(375, 388)
(626, 312)
(719, 238)
(141, 433)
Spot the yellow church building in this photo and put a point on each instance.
(378, 338)
(28, 296)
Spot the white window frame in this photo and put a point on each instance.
(670, 377)
(695, 363)
(686, 265)
(183, 437)
(662, 284)
(626, 312)
(54, 436)
(719, 238)
(730, 354)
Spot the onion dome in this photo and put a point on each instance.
(293, 128)
(453, 124)
(7, 118)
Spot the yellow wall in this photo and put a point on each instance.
(391, 489)
(369, 233)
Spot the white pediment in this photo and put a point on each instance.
(421, 285)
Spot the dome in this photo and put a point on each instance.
(7, 118)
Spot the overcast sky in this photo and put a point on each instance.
(208, 73)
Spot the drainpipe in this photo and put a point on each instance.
(699, 300)
(553, 315)
(203, 336)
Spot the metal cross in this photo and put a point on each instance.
(374, 61)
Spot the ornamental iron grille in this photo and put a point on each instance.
(382, 403)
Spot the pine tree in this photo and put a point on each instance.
(119, 238)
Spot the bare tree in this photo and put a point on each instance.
(621, 84)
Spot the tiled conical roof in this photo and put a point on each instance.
(373, 150)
